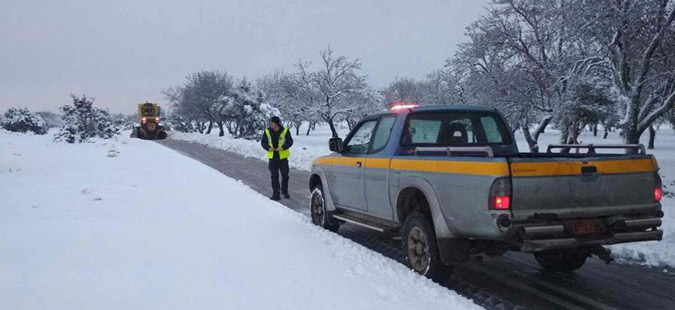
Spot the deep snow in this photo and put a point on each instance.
(130, 224)
(659, 254)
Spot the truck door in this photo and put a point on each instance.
(376, 171)
(347, 186)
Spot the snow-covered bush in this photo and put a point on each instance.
(52, 119)
(124, 121)
(83, 121)
(243, 111)
(23, 120)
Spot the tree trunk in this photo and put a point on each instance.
(332, 127)
(208, 130)
(297, 128)
(200, 127)
(309, 128)
(631, 137)
(531, 142)
(652, 136)
(595, 129)
(220, 127)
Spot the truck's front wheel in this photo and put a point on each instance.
(562, 260)
(420, 248)
(318, 210)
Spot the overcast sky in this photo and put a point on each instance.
(126, 51)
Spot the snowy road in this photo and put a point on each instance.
(513, 281)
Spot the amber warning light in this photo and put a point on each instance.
(403, 107)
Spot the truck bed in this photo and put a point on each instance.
(581, 185)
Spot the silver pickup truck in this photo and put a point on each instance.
(451, 181)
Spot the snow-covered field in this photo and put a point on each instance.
(661, 253)
(130, 224)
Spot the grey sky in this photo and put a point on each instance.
(126, 51)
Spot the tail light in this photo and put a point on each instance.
(157, 119)
(500, 194)
(658, 192)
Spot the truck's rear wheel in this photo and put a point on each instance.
(562, 260)
(318, 210)
(420, 248)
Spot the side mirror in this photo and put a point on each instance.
(335, 145)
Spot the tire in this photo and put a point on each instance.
(420, 248)
(317, 210)
(561, 260)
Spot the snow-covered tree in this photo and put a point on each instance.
(286, 93)
(243, 111)
(23, 120)
(521, 57)
(83, 121)
(368, 102)
(327, 89)
(403, 89)
(195, 99)
(639, 38)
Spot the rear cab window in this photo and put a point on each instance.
(454, 129)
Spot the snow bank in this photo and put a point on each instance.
(129, 224)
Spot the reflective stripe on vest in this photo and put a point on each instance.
(282, 154)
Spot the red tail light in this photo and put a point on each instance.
(500, 194)
(657, 194)
(502, 202)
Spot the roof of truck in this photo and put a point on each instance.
(452, 108)
(431, 108)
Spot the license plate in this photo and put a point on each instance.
(586, 227)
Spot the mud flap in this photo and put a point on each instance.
(453, 251)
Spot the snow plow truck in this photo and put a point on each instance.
(148, 127)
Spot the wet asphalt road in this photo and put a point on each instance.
(513, 281)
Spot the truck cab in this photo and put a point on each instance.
(451, 181)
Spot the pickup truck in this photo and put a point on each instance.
(451, 181)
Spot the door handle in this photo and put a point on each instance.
(589, 170)
(358, 164)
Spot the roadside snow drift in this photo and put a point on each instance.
(129, 224)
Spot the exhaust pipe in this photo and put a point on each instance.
(538, 231)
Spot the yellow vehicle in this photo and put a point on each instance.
(149, 128)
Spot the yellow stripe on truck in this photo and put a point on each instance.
(530, 169)
(437, 166)
(445, 166)
(574, 168)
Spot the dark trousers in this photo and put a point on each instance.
(277, 165)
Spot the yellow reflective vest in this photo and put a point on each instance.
(284, 154)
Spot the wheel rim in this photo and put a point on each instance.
(317, 209)
(418, 250)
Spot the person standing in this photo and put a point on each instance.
(277, 141)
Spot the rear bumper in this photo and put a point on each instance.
(562, 243)
(559, 234)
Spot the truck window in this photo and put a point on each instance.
(491, 130)
(360, 140)
(454, 129)
(383, 132)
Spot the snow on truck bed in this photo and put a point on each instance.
(129, 224)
